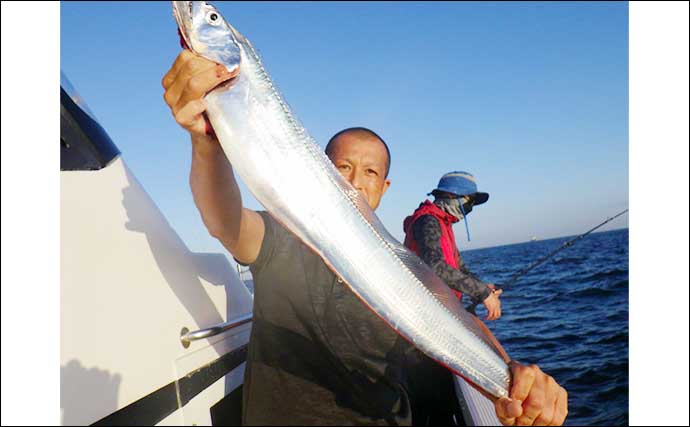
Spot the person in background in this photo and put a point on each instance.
(429, 233)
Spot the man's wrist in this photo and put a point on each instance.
(486, 293)
(205, 146)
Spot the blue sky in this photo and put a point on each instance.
(532, 98)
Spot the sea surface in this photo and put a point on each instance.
(569, 316)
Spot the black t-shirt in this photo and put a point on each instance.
(317, 355)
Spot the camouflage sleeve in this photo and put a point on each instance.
(427, 234)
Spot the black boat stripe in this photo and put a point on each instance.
(154, 407)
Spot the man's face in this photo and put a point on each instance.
(362, 160)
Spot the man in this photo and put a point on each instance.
(429, 233)
(316, 355)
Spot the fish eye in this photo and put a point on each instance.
(212, 18)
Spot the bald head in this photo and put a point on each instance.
(361, 133)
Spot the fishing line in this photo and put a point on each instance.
(543, 259)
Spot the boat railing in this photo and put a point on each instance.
(186, 337)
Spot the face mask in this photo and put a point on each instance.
(452, 206)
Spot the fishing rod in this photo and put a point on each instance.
(543, 259)
(567, 244)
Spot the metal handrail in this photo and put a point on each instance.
(187, 337)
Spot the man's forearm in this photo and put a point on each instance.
(427, 234)
(215, 190)
(461, 281)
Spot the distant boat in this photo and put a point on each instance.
(534, 238)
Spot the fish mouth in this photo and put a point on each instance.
(182, 11)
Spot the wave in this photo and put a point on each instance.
(569, 260)
(600, 275)
(613, 392)
(619, 317)
(610, 371)
(529, 319)
(591, 377)
(621, 337)
(592, 293)
(541, 341)
(620, 284)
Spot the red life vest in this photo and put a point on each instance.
(446, 220)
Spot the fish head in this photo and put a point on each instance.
(206, 33)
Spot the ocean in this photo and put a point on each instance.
(569, 316)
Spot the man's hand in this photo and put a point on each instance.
(492, 303)
(189, 79)
(535, 399)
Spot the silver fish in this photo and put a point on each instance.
(289, 174)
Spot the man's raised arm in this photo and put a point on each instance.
(213, 184)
